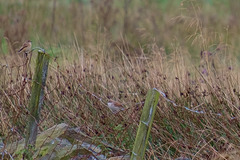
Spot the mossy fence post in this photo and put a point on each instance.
(36, 99)
(145, 125)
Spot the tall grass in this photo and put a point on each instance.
(107, 50)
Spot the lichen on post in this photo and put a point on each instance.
(37, 96)
(145, 125)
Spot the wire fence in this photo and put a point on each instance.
(60, 115)
(84, 116)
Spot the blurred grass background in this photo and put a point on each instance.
(117, 50)
(195, 25)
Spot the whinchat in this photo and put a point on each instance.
(115, 107)
(26, 47)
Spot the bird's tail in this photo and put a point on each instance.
(20, 49)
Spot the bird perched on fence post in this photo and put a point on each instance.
(26, 47)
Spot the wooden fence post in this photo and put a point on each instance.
(145, 125)
(36, 99)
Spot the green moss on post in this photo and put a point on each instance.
(36, 99)
(145, 125)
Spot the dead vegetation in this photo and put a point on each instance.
(106, 51)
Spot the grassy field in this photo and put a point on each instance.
(105, 50)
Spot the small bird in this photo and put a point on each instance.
(26, 47)
(115, 107)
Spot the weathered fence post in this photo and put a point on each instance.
(145, 125)
(36, 99)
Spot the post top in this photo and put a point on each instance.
(41, 50)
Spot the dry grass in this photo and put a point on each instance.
(92, 65)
